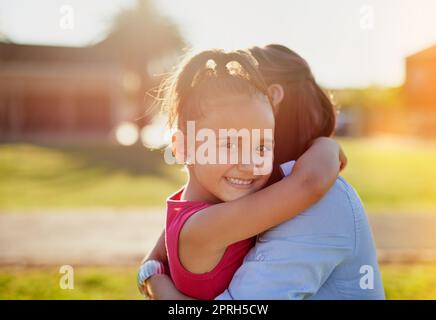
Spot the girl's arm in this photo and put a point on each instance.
(161, 287)
(229, 222)
(159, 252)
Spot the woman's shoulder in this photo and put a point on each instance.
(351, 197)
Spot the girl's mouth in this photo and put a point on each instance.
(240, 183)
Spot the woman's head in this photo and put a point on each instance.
(304, 112)
(220, 90)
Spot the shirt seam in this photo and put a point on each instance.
(347, 191)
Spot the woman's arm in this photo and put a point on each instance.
(158, 253)
(226, 223)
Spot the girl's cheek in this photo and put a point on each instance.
(214, 171)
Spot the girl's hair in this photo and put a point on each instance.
(208, 75)
(305, 112)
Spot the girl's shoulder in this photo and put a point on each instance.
(178, 210)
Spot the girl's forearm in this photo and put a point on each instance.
(321, 165)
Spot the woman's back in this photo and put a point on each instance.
(358, 276)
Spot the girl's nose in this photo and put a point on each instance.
(246, 167)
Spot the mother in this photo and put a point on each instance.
(326, 252)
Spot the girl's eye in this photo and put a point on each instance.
(231, 145)
(227, 146)
(263, 148)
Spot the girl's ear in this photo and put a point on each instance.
(178, 146)
(277, 93)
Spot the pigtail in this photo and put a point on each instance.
(209, 72)
(250, 65)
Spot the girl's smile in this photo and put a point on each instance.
(239, 182)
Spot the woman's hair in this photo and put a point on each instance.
(208, 75)
(305, 112)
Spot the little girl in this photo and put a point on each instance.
(212, 220)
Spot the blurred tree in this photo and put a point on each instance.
(142, 34)
(146, 43)
(3, 36)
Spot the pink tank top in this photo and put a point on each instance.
(205, 286)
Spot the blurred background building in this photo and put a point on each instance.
(420, 91)
(76, 93)
(83, 93)
(61, 92)
(406, 110)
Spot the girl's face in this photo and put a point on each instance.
(227, 181)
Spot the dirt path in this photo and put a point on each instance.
(78, 238)
(122, 237)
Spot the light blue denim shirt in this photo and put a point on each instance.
(326, 252)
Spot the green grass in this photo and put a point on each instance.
(413, 282)
(401, 281)
(89, 283)
(393, 175)
(47, 176)
(390, 175)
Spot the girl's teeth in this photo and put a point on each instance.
(240, 181)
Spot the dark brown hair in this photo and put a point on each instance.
(208, 75)
(305, 112)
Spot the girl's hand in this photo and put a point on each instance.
(161, 287)
(342, 159)
(332, 144)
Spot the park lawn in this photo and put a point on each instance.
(401, 281)
(393, 175)
(96, 283)
(412, 282)
(390, 175)
(38, 176)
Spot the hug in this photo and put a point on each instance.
(232, 233)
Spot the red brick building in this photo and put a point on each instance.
(420, 91)
(66, 92)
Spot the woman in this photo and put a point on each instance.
(326, 252)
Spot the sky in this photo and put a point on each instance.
(348, 43)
